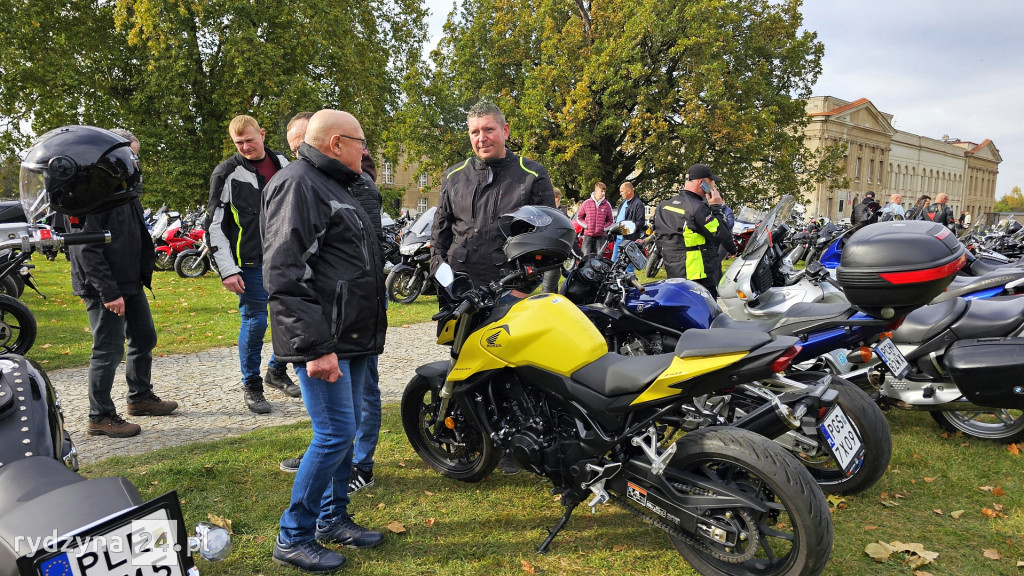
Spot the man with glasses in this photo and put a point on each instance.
(326, 291)
(232, 222)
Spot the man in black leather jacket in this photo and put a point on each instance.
(321, 268)
(476, 192)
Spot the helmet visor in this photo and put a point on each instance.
(34, 198)
(523, 220)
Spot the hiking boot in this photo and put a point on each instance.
(308, 557)
(256, 402)
(348, 533)
(279, 379)
(152, 406)
(291, 464)
(114, 426)
(508, 465)
(360, 479)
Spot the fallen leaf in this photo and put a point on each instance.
(997, 491)
(155, 482)
(261, 539)
(1013, 449)
(878, 551)
(986, 488)
(869, 527)
(396, 527)
(837, 502)
(917, 456)
(528, 568)
(956, 514)
(207, 466)
(989, 512)
(381, 506)
(428, 492)
(938, 511)
(220, 521)
(928, 480)
(890, 503)
(993, 554)
(431, 521)
(922, 573)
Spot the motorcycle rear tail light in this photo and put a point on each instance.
(783, 362)
(926, 275)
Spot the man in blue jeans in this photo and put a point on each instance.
(326, 286)
(233, 215)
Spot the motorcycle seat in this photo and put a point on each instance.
(615, 374)
(714, 341)
(990, 318)
(726, 321)
(928, 321)
(963, 285)
(805, 316)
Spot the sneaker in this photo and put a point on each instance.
(308, 557)
(348, 533)
(291, 464)
(152, 406)
(114, 426)
(279, 379)
(256, 402)
(508, 465)
(359, 479)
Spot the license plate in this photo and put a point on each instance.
(843, 440)
(892, 358)
(144, 541)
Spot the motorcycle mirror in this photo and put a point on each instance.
(627, 227)
(636, 255)
(444, 275)
(211, 541)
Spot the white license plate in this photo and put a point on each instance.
(842, 438)
(143, 546)
(892, 358)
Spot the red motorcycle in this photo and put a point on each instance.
(179, 236)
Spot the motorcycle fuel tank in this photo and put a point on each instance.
(546, 331)
(674, 302)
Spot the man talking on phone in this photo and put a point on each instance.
(690, 226)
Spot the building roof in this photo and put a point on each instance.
(841, 109)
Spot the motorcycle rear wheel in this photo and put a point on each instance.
(1006, 426)
(793, 537)
(653, 265)
(461, 452)
(17, 326)
(404, 284)
(190, 265)
(871, 426)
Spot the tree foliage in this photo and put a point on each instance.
(610, 89)
(1012, 202)
(175, 72)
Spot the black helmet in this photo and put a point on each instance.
(78, 170)
(537, 235)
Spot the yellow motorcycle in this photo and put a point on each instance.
(531, 375)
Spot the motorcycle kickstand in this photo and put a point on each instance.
(570, 505)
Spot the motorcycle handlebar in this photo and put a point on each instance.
(75, 238)
(636, 283)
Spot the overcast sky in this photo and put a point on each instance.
(940, 67)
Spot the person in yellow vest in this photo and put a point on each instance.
(690, 227)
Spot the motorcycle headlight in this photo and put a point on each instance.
(409, 249)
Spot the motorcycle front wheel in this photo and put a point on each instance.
(792, 537)
(17, 326)
(9, 286)
(872, 427)
(653, 264)
(190, 265)
(450, 445)
(404, 284)
(1006, 426)
(164, 260)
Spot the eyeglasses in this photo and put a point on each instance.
(362, 141)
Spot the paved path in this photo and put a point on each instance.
(207, 388)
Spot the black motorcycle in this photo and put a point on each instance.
(408, 280)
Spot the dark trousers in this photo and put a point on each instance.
(593, 244)
(109, 332)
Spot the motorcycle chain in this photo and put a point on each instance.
(688, 539)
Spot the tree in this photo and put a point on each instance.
(639, 89)
(1012, 202)
(175, 72)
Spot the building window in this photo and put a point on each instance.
(856, 170)
(389, 173)
(871, 171)
(423, 181)
(881, 166)
(421, 206)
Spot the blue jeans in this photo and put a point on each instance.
(369, 421)
(108, 341)
(252, 306)
(320, 492)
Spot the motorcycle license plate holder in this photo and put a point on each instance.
(156, 533)
(842, 439)
(892, 358)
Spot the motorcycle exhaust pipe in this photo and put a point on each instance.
(772, 419)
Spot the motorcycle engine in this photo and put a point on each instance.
(539, 435)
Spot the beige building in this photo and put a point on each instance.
(885, 160)
(419, 194)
